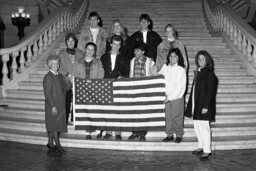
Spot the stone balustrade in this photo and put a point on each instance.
(34, 45)
(243, 37)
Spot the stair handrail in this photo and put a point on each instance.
(241, 35)
(35, 44)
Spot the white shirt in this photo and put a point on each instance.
(144, 36)
(113, 61)
(175, 81)
(94, 32)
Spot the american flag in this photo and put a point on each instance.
(126, 104)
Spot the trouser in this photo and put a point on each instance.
(203, 133)
(140, 133)
(116, 132)
(174, 115)
(68, 104)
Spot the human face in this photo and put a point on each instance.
(169, 32)
(115, 46)
(70, 43)
(173, 59)
(90, 51)
(54, 65)
(138, 53)
(144, 24)
(94, 21)
(201, 61)
(117, 28)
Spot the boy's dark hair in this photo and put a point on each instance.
(116, 38)
(145, 17)
(73, 36)
(178, 53)
(142, 46)
(93, 14)
(91, 44)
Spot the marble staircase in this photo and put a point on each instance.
(235, 126)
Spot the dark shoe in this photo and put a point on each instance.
(198, 152)
(133, 136)
(142, 138)
(178, 139)
(205, 156)
(51, 147)
(60, 150)
(168, 139)
(99, 135)
(107, 136)
(88, 137)
(118, 137)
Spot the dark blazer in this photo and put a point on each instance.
(153, 40)
(121, 66)
(205, 83)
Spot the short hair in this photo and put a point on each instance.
(209, 60)
(178, 53)
(92, 44)
(93, 14)
(116, 38)
(51, 58)
(175, 33)
(145, 17)
(73, 36)
(142, 46)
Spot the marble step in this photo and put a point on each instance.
(39, 104)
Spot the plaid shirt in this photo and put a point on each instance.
(139, 67)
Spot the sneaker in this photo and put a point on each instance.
(168, 139)
(88, 137)
(142, 138)
(118, 137)
(107, 136)
(178, 140)
(133, 136)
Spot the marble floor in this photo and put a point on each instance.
(18, 156)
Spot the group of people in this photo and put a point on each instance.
(97, 54)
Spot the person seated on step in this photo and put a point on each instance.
(141, 66)
(202, 102)
(175, 78)
(94, 33)
(115, 66)
(146, 35)
(69, 67)
(170, 42)
(91, 68)
(55, 88)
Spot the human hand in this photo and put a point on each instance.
(54, 110)
(166, 100)
(204, 111)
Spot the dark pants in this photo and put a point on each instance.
(140, 133)
(68, 104)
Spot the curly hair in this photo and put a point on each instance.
(209, 60)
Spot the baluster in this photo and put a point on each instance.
(45, 40)
(224, 24)
(228, 27)
(22, 60)
(249, 51)
(61, 24)
(40, 44)
(68, 22)
(54, 31)
(244, 45)
(235, 35)
(5, 59)
(58, 27)
(29, 55)
(14, 73)
(254, 53)
(35, 51)
(239, 40)
(50, 36)
(231, 31)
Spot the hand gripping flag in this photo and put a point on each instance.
(126, 104)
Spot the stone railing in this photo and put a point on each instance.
(240, 35)
(35, 44)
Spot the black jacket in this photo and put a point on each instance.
(205, 83)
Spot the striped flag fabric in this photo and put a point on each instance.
(126, 104)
